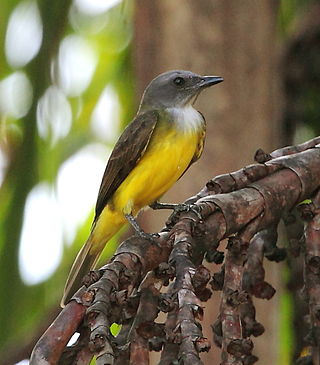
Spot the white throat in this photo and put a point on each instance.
(186, 118)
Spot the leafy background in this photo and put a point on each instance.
(55, 129)
(66, 90)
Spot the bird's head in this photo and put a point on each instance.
(174, 89)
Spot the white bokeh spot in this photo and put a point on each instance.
(15, 95)
(78, 184)
(73, 339)
(23, 362)
(24, 34)
(94, 7)
(54, 115)
(77, 62)
(41, 243)
(105, 120)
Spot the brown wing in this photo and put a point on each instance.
(125, 155)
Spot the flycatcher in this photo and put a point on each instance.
(157, 147)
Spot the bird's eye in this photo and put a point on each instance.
(179, 81)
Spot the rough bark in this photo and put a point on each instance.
(128, 289)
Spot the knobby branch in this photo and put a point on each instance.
(166, 274)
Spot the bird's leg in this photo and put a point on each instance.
(177, 208)
(140, 232)
(131, 219)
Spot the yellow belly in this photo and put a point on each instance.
(168, 155)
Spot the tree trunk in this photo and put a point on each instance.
(237, 40)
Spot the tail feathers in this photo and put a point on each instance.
(84, 262)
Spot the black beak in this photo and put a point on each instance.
(208, 81)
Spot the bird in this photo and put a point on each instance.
(162, 141)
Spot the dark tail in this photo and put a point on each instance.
(84, 262)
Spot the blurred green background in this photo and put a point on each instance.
(65, 93)
(67, 89)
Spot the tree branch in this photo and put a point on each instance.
(244, 206)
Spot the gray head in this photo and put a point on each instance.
(175, 89)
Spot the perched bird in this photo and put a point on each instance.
(157, 147)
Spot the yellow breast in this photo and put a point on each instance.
(168, 155)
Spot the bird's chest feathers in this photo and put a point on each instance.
(186, 119)
(168, 155)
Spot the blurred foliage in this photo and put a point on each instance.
(289, 10)
(300, 29)
(30, 157)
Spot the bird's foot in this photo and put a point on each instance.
(177, 208)
(157, 206)
(139, 231)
